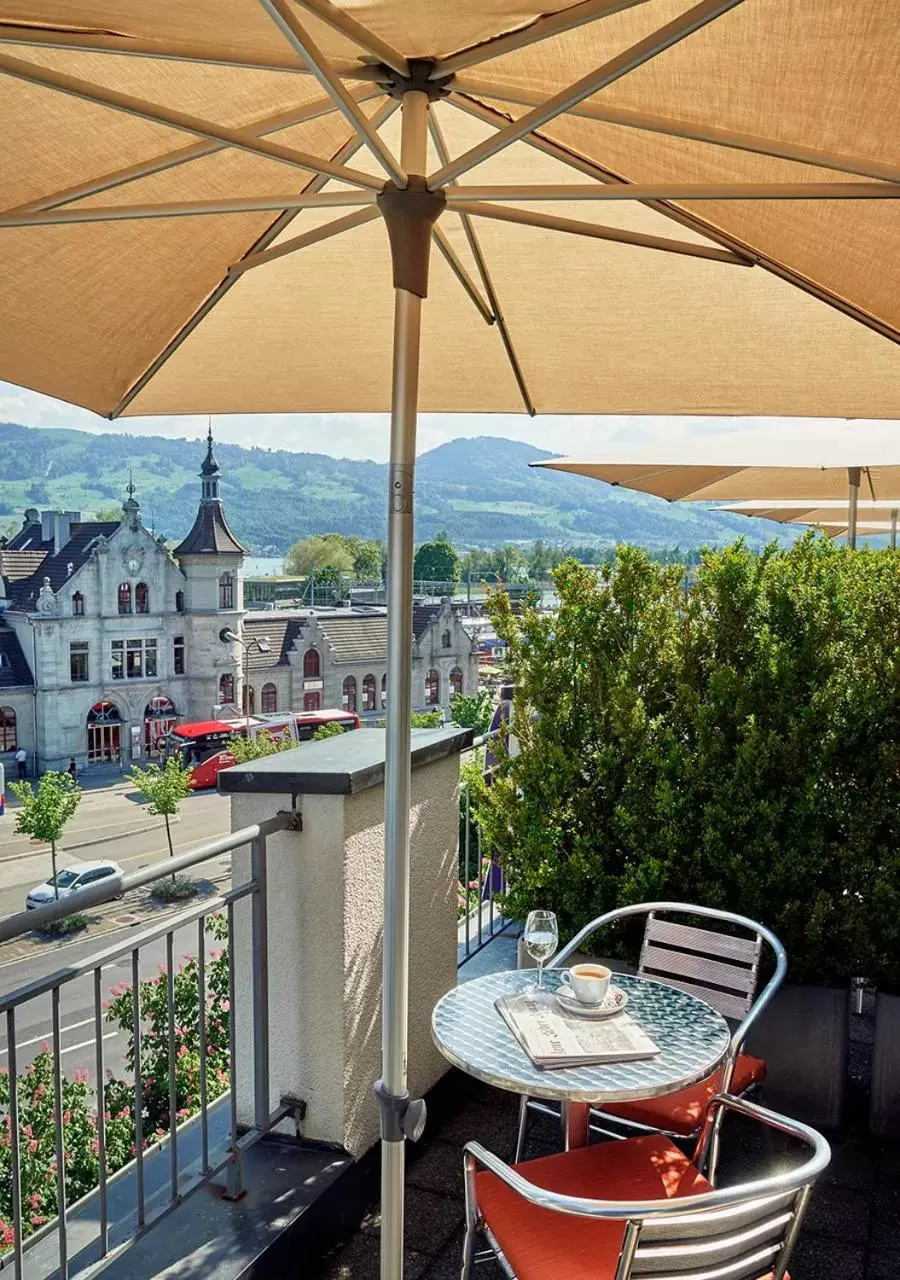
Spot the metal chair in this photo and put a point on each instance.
(721, 969)
(638, 1209)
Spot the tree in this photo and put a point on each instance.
(108, 513)
(45, 812)
(165, 788)
(328, 551)
(264, 744)
(329, 730)
(368, 558)
(436, 561)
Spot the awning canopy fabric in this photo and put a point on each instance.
(127, 104)
(835, 514)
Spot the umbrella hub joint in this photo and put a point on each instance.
(419, 80)
(409, 213)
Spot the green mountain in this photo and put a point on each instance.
(480, 490)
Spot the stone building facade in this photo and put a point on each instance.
(107, 638)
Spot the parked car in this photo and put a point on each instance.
(69, 880)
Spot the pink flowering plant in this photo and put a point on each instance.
(81, 1142)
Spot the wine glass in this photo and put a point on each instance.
(541, 939)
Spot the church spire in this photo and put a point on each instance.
(131, 506)
(209, 471)
(210, 534)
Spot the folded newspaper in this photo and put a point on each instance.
(553, 1038)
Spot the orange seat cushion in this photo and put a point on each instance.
(540, 1244)
(682, 1112)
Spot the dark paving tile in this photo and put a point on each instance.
(439, 1168)
(360, 1260)
(430, 1220)
(815, 1258)
(883, 1265)
(886, 1220)
(493, 1126)
(838, 1214)
(853, 1164)
(888, 1165)
(447, 1266)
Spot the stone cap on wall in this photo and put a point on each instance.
(338, 766)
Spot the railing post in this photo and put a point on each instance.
(260, 928)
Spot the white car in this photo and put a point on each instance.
(69, 880)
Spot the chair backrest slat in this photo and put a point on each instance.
(716, 1222)
(724, 1002)
(749, 1266)
(713, 966)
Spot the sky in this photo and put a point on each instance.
(366, 435)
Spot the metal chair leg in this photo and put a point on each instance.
(523, 1125)
(468, 1254)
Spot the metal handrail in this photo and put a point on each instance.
(113, 887)
(711, 913)
(584, 1207)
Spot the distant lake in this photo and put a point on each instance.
(263, 566)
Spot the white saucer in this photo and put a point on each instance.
(614, 1002)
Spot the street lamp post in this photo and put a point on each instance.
(227, 636)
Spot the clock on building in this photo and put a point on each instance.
(133, 558)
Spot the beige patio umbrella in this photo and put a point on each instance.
(762, 471)
(871, 516)
(647, 206)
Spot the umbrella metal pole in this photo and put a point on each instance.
(853, 493)
(400, 1117)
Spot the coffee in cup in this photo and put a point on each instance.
(589, 982)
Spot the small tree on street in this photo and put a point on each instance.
(45, 812)
(165, 788)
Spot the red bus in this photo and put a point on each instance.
(202, 745)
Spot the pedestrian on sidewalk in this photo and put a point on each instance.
(22, 762)
(72, 770)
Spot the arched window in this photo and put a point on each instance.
(368, 693)
(124, 597)
(433, 688)
(226, 688)
(456, 681)
(104, 732)
(269, 698)
(226, 591)
(179, 602)
(312, 701)
(311, 665)
(7, 729)
(78, 605)
(446, 640)
(142, 598)
(384, 691)
(349, 698)
(248, 700)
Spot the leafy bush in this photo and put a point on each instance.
(472, 712)
(330, 730)
(264, 744)
(67, 926)
(734, 742)
(426, 719)
(175, 890)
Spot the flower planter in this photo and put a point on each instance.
(803, 1037)
(884, 1112)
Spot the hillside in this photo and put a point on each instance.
(480, 490)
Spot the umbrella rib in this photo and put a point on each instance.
(346, 152)
(462, 275)
(315, 236)
(664, 38)
(185, 209)
(682, 191)
(683, 217)
(171, 160)
(58, 81)
(342, 21)
(530, 218)
(543, 28)
(302, 43)
(128, 46)
(440, 147)
(711, 134)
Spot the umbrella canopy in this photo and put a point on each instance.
(648, 206)
(834, 516)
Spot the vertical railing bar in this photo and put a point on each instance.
(173, 1083)
(480, 886)
(101, 1112)
(259, 910)
(16, 1168)
(201, 1014)
(138, 1084)
(60, 1141)
(466, 880)
(234, 1172)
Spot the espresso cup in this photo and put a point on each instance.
(589, 982)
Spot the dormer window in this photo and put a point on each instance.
(446, 640)
(124, 597)
(226, 591)
(77, 605)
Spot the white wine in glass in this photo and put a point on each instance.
(541, 939)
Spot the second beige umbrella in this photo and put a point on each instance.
(871, 516)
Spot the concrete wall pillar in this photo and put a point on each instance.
(325, 917)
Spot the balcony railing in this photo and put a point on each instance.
(201, 1146)
(481, 881)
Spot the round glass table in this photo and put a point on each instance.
(692, 1038)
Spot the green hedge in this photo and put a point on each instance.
(733, 741)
